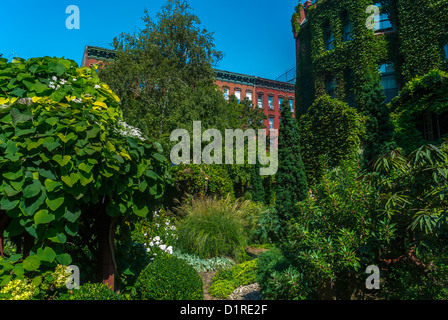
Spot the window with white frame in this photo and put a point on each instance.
(260, 101)
(271, 102)
(249, 95)
(271, 123)
(226, 93)
(291, 104)
(238, 95)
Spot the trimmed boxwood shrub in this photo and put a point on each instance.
(92, 291)
(169, 278)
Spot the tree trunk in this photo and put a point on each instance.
(3, 221)
(106, 249)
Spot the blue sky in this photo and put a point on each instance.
(255, 36)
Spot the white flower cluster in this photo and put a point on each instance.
(129, 131)
(163, 226)
(54, 83)
(157, 242)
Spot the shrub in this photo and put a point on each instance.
(212, 227)
(269, 262)
(169, 278)
(332, 131)
(222, 288)
(91, 291)
(422, 95)
(226, 281)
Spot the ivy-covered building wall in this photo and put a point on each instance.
(341, 42)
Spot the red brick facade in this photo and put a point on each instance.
(270, 92)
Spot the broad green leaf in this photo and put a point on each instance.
(51, 185)
(46, 254)
(32, 189)
(43, 217)
(31, 263)
(63, 161)
(55, 203)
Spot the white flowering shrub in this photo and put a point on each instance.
(157, 236)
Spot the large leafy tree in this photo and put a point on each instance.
(292, 185)
(164, 73)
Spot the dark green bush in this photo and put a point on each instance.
(91, 291)
(268, 263)
(169, 278)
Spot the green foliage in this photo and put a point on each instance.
(196, 180)
(358, 57)
(222, 288)
(226, 281)
(379, 135)
(291, 179)
(43, 287)
(272, 265)
(164, 73)
(169, 278)
(426, 94)
(92, 291)
(66, 158)
(205, 265)
(331, 132)
(212, 227)
(157, 235)
(422, 36)
(337, 233)
(257, 191)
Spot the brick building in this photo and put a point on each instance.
(266, 94)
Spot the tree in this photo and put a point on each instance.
(379, 135)
(258, 194)
(292, 185)
(331, 133)
(164, 74)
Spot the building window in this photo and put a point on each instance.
(291, 105)
(260, 101)
(271, 123)
(382, 22)
(238, 95)
(330, 87)
(249, 95)
(346, 29)
(271, 102)
(445, 49)
(328, 39)
(280, 102)
(226, 93)
(349, 88)
(388, 81)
